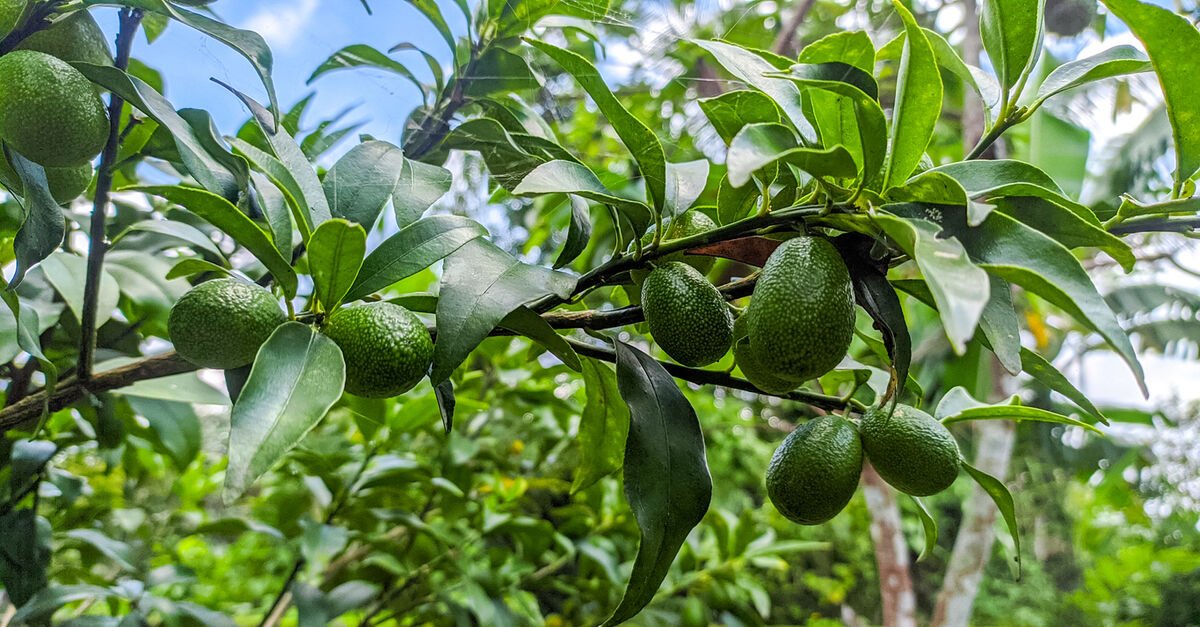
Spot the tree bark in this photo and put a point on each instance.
(891, 552)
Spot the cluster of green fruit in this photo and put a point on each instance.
(222, 323)
(49, 112)
(815, 471)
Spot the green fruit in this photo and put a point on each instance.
(66, 184)
(911, 450)
(814, 473)
(802, 310)
(687, 316)
(223, 322)
(761, 377)
(1069, 17)
(10, 13)
(48, 111)
(75, 38)
(386, 347)
(685, 225)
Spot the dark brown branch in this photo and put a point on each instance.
(130, 19)
(787, 35)
(36, 19)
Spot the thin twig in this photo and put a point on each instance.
(129, 21)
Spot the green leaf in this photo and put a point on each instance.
(274, 185)
(68, 274)
(435, 66)
(568, 177)
(205, 130)
(1016, 413)
(412, 249)
(223, 215)
(755, 71)
(193, 266)
(1004, 502)
(28, 329)
(930, 187)
(482, 284)
(930, 527)
(1000, 327)
(23, 562)
(732, 110)
(603, 426)
(28, 458)
(579, 233)
(525, 321)
(359, 185)
(1116, 61)
(297, 376)
(636, 136)
(509, 156)
(853, 48)
(757, 146)
(206, 169)
(115, 550)
(959, 287)
(335, 254)
(735, 203)
(429, 8)
(419, 186)
(667, 482)
(1012, 35)
(918, 102)
(685, 183)
(362, 55)
(1066, 227)
(873, 293)
(1022, 255)
(1173, 44)
(444, 392)
(43, 226)
(181, 231)
(294, 160)
(499, 71)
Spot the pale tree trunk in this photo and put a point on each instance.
(891, 552)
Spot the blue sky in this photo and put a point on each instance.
(302, 34)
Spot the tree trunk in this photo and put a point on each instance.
(891, 552)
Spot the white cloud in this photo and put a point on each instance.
(282, 24)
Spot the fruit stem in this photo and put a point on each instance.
(130, 19)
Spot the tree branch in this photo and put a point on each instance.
(129, 21)
(37, 18)
(787, 35)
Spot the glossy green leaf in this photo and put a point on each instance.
(205, 130)
(498, 72)
(24, 562)
(435, 66)
(1004, 502)
(28, 329)
(1173, 44)
(603, 426)
(68, 274)
(359, 56)
(732, 110)
(1000, 326)
(667, 482)
(987, 178)
(335, 254)
(294, 160)
(918, 102)
(509, 156)
(431, 11)
(853, 48)
(203, 167)
(1045, 373)
(444, 392)
(275, 183)
(959, 287)
(759, 145)
(1066, 227)
(274, 204)
(297, 376)
(568, 177)
(1016, 413)
(579, 233)
(1012, 35)
(360, 184)
(754, 70)
(735, 203)
(685, 183)
(1116, 61)
(43, 226)
(223, 215)
(875, 294)
(929, 525)
(482, 284)
(49, 599)
(419, 186)
(930, 187)
(181, 231)
(193, 266)
(636, 136)
(525, 321)
(412, 249)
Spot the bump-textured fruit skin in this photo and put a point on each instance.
(66, 184)
(386, 347)
(222, 323)
(685, 225)
(755, 372)
(48, 111)
(686, 314)
(814, 472)
(802, 310)
(911, 450)
(76, 37)
(10, 12)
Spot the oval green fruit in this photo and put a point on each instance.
(10, 13)
(48, 111)
(66, 184)
(387, 348)
(222, 323)
(910, 449)
(687, 316)
(814, 473)
(752, 369)
(802, 310)
(74, 38)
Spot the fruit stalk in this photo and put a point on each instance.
(130, 19)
